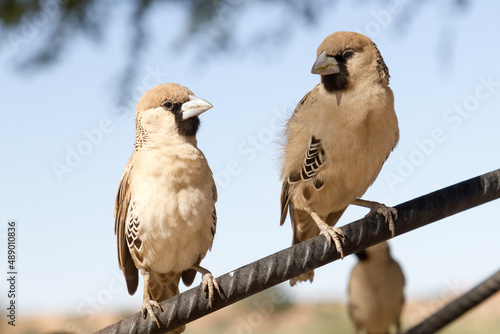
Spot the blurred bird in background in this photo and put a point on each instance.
(337, 140)
(165, 214)
(376, 291)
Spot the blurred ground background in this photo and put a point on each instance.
(258, 314)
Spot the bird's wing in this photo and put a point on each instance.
(314, 158)
(189, 275)
(309, 98)
(314, 155)
(285, 198)
(400, 278)
(122, 203)
(214, 213)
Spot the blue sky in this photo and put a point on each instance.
(446, 80)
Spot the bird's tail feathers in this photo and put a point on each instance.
(189, 275)
(304, 228)
(165, 286)
(309, 276)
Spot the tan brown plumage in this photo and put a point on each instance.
(165, 216)
(337, 139)
(376, 291)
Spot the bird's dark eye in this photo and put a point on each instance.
(347, 54)
(167, 105)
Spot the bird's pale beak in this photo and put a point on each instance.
(194, 107)
(325, 65)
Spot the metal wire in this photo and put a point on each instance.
(313, 253)
(459, 306)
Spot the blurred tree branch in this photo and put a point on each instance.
(51, 26)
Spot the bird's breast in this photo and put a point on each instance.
(174, 202)
(357, 136)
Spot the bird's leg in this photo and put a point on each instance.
(147, 303)
(390, 214)
(328, 231)
(207, 281)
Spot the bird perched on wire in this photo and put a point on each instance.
(376, 291)
(337, 140)
(165, 214)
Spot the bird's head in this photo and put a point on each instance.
(345, 59)
(169, 110)
(377, 253)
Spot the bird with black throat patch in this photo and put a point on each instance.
(165, 216)
(337, 140)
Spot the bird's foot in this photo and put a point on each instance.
(328, 231)
(390, 215)
(147, 308)
(333, 233)
(208, 283)
(148, 304)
